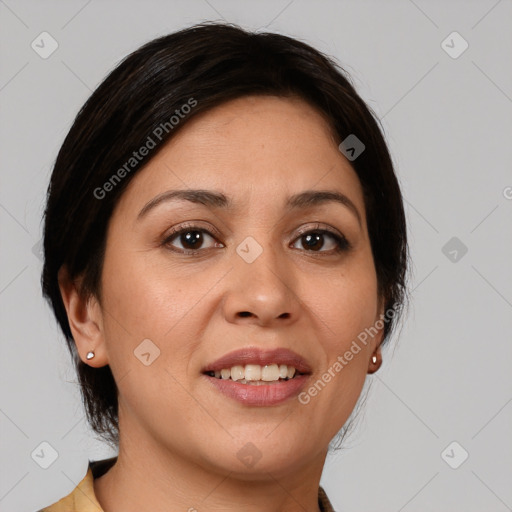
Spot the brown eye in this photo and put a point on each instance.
(316, 241)
(191, 239)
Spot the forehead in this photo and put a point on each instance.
(250, 147)
(254, 126)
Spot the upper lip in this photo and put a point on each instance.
(254, 355)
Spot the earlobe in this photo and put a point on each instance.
(375, 361)
(85, 321)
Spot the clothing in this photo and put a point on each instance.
(83, 499)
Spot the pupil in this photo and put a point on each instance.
(312, 240)
(192, 238)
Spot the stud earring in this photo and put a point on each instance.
(374, 359)
(89, 355)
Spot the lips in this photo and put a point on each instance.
(260, 357)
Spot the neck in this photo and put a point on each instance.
(151, 477)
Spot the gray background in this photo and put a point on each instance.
(449, 125)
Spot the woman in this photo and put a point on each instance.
(225, 252)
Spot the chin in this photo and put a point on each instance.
(249, 455)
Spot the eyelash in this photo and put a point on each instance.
(342, 243)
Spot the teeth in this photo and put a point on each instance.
(270, 372)
(252, 372)
(237, 372)
(256, 373)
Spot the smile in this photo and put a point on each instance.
(255, 373)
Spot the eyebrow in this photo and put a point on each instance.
(206, 197)
(310, 198)
(218, 200)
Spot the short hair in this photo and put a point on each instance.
(201, 66)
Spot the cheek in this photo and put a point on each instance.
(149, 299)
(347, 305)
(147, 309)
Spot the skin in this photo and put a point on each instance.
(179, 436)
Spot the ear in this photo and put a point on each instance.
(85, 321)
(375, 360)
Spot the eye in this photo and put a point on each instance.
(190, 239)
(316, 239)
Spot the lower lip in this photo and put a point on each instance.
(260, 395)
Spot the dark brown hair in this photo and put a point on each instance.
(209, 63)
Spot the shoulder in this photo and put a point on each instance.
(82, 498)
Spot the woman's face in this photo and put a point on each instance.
(259, 273)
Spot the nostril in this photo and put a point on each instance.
(244, 313)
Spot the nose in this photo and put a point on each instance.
(262, 292)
